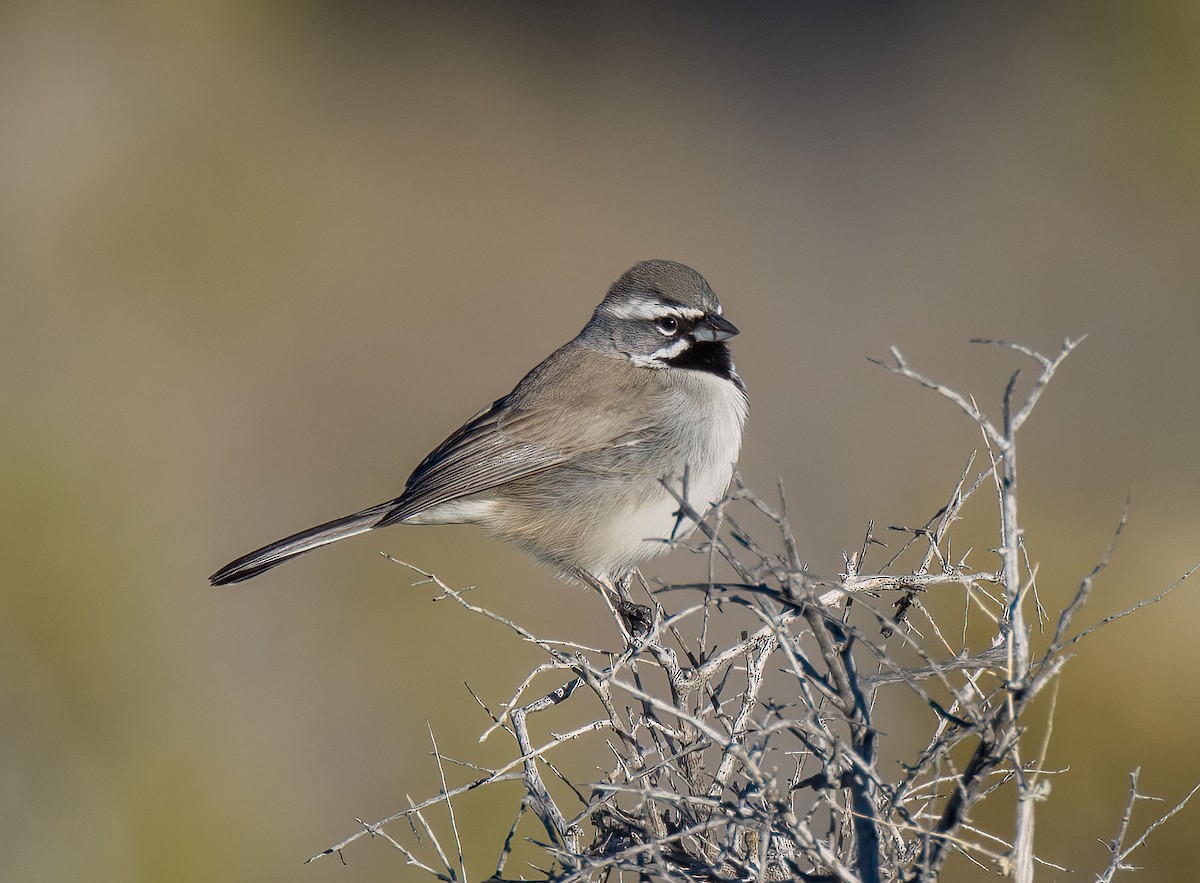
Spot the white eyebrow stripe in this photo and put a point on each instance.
(650, 308)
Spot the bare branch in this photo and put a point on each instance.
(1119, 851)
(738, 736)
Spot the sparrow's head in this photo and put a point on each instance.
(662, 314)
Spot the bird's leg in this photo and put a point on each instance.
(638, 618)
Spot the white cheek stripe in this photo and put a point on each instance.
(670, 351)
(645, 361)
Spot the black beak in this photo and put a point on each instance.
(714, 327)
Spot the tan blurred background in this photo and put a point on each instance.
(257, 258)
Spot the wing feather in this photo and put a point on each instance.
(524, 433)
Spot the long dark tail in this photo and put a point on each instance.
(297, 544)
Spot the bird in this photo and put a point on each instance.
(573, 466)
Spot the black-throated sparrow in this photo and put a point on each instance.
(570, 465)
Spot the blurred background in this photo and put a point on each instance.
(259, 257)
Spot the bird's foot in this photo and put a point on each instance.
(638, 618)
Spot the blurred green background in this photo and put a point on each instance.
(259, 257)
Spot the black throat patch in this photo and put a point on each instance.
(705, 355)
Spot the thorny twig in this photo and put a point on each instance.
(1117, 847)
(776, 668)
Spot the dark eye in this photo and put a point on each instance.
(667, 324)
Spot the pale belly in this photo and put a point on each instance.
(610, 511)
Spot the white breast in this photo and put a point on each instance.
(710, 416)
(709, 412)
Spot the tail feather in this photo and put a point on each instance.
(283, 550)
